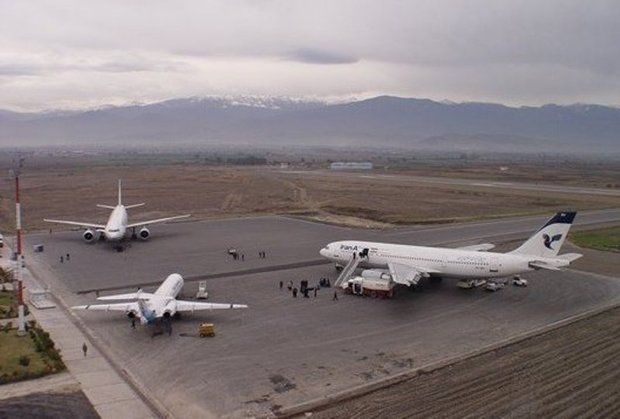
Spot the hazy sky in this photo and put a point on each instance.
(74, 54)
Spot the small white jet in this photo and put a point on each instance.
(160, 305)
(406, 265)
(116, 227)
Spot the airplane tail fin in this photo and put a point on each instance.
(119, 193)
(548, 240)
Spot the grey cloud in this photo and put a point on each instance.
(314, 56)
(18, 70)
(553, 48)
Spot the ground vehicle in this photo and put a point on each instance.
(519, 282)
(471, 283)
(206, 330)
(371, 287)
(1, 241)
(494, 286)
(202, 293)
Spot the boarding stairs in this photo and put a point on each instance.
(348, 270)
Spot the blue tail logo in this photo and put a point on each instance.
(549, 240)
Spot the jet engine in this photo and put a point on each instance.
(144, 233)
(90, 236)
(170, 309)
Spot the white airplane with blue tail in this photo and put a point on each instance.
(160, 305)
(407, 265)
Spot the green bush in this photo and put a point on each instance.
(24, 361)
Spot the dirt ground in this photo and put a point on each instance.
(572, 371)
(71, 192)
(49, 405)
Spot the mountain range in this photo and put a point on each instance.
(380, 122)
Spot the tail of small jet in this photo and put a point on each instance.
(120, 200)
(548, 240)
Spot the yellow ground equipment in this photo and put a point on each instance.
(206, 329)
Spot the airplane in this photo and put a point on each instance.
(116, 227)
(406, 265)
(149, 308)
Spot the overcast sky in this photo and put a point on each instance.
(79, 53)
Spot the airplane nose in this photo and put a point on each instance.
(324, 253)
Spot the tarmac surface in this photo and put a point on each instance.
(283, 351)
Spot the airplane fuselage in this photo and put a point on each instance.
(439, 261)
(116, 227)
(163, 302)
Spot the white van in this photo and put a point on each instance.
(1, 241)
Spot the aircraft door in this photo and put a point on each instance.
(493, 265)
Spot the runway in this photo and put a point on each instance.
(452, 181)
(282, 350)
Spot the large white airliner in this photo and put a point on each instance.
(162, 304)
(408, 264)
(116, 227)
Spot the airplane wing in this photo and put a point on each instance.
(140, 295)
(126, 307)
(407, 275)
(159, 220)
(193, 306)
(483, 247)
(75, 223)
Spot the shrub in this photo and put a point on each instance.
(24, 361)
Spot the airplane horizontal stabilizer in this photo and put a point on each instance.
(134, 205)
(105, 206)
(539, 264)
(570, 257)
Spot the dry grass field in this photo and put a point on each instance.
(72, 190)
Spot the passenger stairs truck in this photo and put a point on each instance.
(371, 284)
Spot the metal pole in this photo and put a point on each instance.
(21, 328)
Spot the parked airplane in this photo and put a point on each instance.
(162, 304)
(116, 227)
(406, 264)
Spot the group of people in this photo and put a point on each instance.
(304, 289)
(66, 257)
(236, 255)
